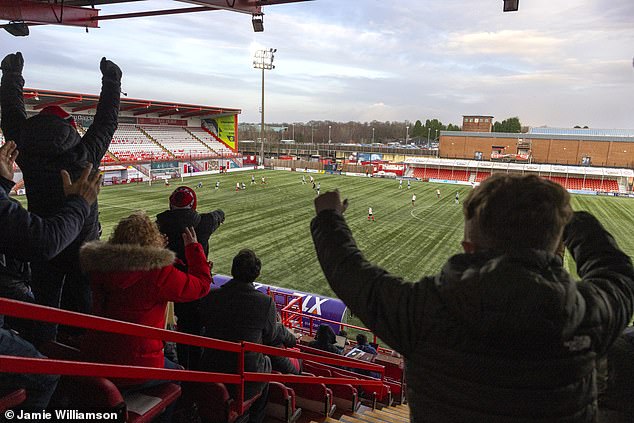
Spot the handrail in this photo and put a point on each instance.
(12, 364)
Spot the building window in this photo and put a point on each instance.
(476, 120)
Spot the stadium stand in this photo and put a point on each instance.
(209, 140)
(85, 385)
(568, 182)
(178, 141)
(129, 144)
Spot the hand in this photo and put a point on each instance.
(109, 69)
(87, 186)
(189, 236)
(8, 154)
(13, 63)
(330, 201)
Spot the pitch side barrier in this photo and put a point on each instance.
(19, 309)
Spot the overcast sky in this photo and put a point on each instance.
(555, 63)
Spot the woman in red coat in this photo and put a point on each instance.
(133, 277)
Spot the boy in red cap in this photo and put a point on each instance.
(49, 142)
(172, 223)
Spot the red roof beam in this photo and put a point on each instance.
(58, 102)
(170, 112)
(135, 106)
(148, 111)
(48, 13)
(197, 113)
(87, 107)
(32, 94)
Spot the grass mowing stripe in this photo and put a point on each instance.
(274, 220)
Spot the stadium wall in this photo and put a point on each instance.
(603, 151)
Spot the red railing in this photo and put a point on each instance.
(10, 364)
(290, 310)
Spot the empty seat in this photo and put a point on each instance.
(314, 397)
(12, 399)
(281, 404)
(214, 403)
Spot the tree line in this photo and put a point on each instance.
(322, 131)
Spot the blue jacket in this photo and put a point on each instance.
(26, 237)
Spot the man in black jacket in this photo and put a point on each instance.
(49, 142)
(182, 214)
(238, 312)
(24, 237)
(503, 333)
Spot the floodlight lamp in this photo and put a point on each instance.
(258, 22)
(37, 97)
(17, 29)
(511, 5)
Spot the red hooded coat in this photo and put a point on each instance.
(134, 283)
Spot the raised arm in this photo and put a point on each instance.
(607, 279)
(99, 134)
(26, 236)
(11, 99)
(385, 303)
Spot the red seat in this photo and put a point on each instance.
(281, 403)
(12, 399)
(214, 403)
(345, 397)
(314, 397)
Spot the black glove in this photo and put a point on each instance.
(13, 63)
(110, 70)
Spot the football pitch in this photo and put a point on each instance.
(274, 221)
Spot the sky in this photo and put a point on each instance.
(556, 63)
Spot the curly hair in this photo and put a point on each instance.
(510, 212)
(137, 229)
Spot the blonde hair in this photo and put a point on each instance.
(137, 229)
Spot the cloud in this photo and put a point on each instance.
(555, 63)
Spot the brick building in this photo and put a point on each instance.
(613, 148)
(477, 123)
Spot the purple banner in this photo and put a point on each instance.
(319, 306)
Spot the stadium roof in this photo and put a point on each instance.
(584, 131)
(37, 99)
(529, 136)
(84, 14)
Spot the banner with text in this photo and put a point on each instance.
(225, 128)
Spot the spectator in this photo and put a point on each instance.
(503, 333)
(238, 312)
(615, 400)
(285, 339)
(133, 277)
(362, 344)
(325, 340)
(182, 214)
(49, 142)
(23, 237)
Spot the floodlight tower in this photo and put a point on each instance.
(263, 60)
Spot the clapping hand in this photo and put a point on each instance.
(189, 236)
(8, 154)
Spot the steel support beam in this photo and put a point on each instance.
(135, 106)
(57, 102)
(48, 13)
(87, 107)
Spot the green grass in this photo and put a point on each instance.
(274, 219)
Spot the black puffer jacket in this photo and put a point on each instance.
(492, 338)
(48, 144)
(173, 223)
